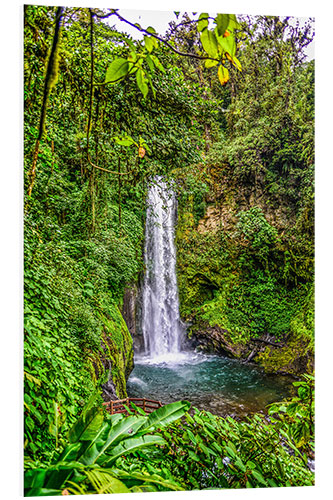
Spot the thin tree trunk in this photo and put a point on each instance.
(50, 80)
(119, 197)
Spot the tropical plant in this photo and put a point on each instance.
(295, 418)
(89, 461)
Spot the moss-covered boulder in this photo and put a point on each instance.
(115, 356)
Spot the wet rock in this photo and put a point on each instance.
(215, 340)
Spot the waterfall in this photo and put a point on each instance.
(162, 330)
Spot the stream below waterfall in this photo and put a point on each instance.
(217, 384)
(164, 371)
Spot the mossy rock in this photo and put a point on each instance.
(116, 353)
(295, 358)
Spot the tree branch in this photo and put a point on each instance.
(191, 21)
(142, 30)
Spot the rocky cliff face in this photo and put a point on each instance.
(243, 289)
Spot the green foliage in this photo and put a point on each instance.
(254, 228)
(212, 452)
(84, 227)
(295, 418)
(200, 451)
(84, 232)
(193, 194)
(246, 253)
(89, 462)
(218, 44)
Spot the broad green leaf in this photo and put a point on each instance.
(150, 29)
(233, 23)
(194, 456)
(150, 63)
(34, 478)
(120, 431)
(149, 44)
(141, 81)
(166, 414)
(207, 450)
(223, 74)
(230, 451)
(192, 437)
(209, 63)
(227, 44)
(115, 418)
(151, 478)
(203, 21)
(117, 70)
(222, 21)
(131, 445)
(240, 464)
(86, 426)
(70, 452)
(209, 42)
(42, 492)
(125, 141)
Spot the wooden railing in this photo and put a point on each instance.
(117, 406)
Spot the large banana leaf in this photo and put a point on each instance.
(87, 425)
(70, 453)
(166, 415)
(123, 430)
(53, 478)
(130, 445)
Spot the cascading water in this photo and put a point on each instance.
(161, 326)
(164, 371)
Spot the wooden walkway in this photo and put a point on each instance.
(117, 406)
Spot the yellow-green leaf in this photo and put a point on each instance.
(203, 21)
(223, 75)
(233, 23)
(209, 42)
(117, 70)
(150, 29)
(148, 43)
(209, 63)
(227, 44)
(222, 21)
(141, 81)
(236, 63)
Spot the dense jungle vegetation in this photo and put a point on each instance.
(226, 110)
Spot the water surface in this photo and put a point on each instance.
(220, 385)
